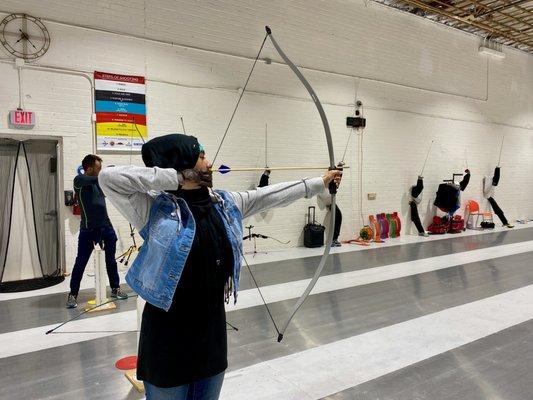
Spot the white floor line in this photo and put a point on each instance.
(34, 338)
(328, 369)
(284, 291)
(300, 252)
(277, 255)
(63, 287)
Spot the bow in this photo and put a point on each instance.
(332, 186)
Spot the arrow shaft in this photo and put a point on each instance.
(426, 160)
(240, 169)
(183, 126)
(266, 145)
(501, 148)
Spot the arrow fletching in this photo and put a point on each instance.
(224, 169)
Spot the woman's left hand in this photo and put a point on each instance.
(333, 175)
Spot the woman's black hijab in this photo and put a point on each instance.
(172, 151)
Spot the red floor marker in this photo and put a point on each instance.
(126, 363)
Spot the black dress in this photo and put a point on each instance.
(188, 343)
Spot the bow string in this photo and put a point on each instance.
(332, 185)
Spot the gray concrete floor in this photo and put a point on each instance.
(49, 309)
(498, 365)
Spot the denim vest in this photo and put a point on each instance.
(168, 236)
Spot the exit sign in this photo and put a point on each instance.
(21, 119)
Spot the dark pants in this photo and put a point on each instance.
(498, 211)
(88, 237)
(338, 223)
(205, 389)
(415, 217)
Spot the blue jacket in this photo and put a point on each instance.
(168, 237)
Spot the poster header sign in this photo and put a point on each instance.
(120, 105)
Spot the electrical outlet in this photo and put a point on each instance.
(371, 196)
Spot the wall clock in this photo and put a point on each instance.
(24, 36)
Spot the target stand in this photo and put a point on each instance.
(129, 366)
(129, 363)
(99, 285)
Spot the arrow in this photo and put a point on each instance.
(224, 169)
(501, 148)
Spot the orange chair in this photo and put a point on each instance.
(471, 210)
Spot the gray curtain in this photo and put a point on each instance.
(41, 158)
(9, 150)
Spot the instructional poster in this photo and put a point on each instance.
(120, 105)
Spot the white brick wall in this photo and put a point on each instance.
(419, 81)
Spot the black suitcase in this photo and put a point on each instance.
(313, 231)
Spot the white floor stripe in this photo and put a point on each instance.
(34, 338)
(328, 369)
(63, 287)
(289, 290)
(300, 252)
(277, 255)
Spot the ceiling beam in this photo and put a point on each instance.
(501, 8)
(480, 25)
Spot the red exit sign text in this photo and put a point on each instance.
(22, 119)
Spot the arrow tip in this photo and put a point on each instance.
(268, 30)
(280, 337)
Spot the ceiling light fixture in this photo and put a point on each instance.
(491, 48)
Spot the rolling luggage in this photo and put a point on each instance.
(313, 231)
